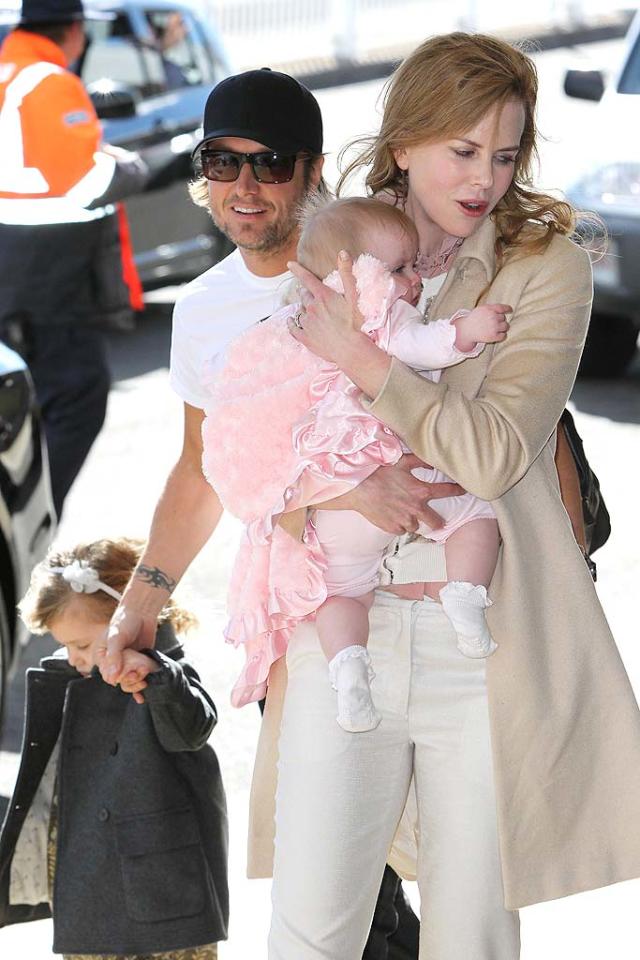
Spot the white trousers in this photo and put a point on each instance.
(340, 797)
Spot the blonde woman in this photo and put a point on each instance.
(523, 771)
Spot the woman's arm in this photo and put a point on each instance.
(499, 433)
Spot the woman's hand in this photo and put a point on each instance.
(329, 325)
(329, 322)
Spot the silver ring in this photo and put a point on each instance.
(296, 319)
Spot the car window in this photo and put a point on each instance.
(114, 53)
(184, 59)
(630, 81)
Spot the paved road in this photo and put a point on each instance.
(120, 483)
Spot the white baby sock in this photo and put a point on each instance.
(464, 604)
(351, 673)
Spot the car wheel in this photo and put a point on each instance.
(5, 656)
(611, 344)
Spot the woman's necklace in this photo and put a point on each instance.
(432, 264)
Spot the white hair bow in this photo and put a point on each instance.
(84, 579)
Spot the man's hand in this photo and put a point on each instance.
(136, 667)
(128, 629)
(396, 501)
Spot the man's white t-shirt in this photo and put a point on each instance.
(212, 310)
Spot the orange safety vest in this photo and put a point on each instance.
(52, 168)
(50, 136)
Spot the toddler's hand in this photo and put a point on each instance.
(485, 324)
(135, 669)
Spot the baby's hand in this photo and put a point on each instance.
(135, 669)
(485, 324)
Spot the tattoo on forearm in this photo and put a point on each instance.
(155, 578)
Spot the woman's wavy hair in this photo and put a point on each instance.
(448, 83)
(113, 560)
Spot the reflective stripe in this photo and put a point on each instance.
(14, 176)
(95, 182)
(47, 210)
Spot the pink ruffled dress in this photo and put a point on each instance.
(285, 429)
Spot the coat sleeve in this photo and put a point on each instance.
(488, 442)
(182, 712)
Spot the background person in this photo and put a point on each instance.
(61, 260)
(537, 804)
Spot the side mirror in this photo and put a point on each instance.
(113, 100)
(584, 84)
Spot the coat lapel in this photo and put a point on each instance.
(473, 270)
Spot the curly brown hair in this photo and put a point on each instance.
(113, 560)
(431, 97)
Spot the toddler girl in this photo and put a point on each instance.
(285, 429)
(117, 827)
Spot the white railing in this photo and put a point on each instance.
(273, 32)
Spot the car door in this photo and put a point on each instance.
(161, 55)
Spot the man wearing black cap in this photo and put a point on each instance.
(61, 268)
(260, 156)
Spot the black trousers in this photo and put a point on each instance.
(71, 377)
(395, 929)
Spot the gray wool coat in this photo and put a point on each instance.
(141, 860)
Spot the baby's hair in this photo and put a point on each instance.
(345, 224)
(113, 560)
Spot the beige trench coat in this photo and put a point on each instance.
(564, 720)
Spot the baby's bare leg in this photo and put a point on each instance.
(471, 553)
(343, 628)
(343, 622)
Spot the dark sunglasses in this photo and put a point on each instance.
(267, 165)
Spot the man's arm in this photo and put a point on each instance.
(186, 515)
(394, 500)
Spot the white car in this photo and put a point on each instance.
(610, 186)
(27, 518)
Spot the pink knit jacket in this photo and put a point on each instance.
(285, 429)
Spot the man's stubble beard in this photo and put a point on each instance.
(275, 236)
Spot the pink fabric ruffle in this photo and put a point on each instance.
(274, 586)
(285, 429)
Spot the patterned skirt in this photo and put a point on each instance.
(207, 952)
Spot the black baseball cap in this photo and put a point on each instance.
(54, 11)
(267, 106)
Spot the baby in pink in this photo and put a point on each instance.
(285, 429)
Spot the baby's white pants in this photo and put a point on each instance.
(340, 797)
